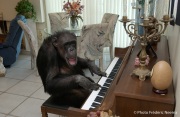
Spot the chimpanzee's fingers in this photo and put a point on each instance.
(91, 72)
(103, 74)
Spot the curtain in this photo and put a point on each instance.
(93, 13)
(159, 7)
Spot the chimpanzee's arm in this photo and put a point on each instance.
(91, 66)
(61, 83)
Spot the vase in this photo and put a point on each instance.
(73, 23)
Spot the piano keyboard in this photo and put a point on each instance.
(96, 97)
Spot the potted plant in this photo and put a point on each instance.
(26, 8)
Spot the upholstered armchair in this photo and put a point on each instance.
(58, 21)
(96, 37)
(10, 49)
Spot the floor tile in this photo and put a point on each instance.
(26, 65)
(19, 63)
(9, 70)
(40, 94)
(6, 83)
(24, 57)
(29, 108)
(24, 88)
(34, 77)
(2, 115)
(18, 73)
(8, 102)
(10, 116)
(53, 115)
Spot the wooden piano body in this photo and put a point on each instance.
(130, 97)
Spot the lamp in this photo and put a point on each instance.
(142, 71)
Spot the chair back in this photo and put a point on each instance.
(33, 43)
(111, 19)
(58, 21)
(97, 36)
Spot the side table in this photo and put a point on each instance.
(77, 31)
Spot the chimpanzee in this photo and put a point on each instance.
(61, 71)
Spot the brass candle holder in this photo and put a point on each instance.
(159, 28)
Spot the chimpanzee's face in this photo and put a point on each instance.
(70, 53)
(66, 47)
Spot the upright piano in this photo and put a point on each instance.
(124, 95)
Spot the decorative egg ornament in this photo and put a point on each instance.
(161, 77)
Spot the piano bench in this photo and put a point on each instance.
(49, 106)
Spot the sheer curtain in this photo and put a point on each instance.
(93, 13)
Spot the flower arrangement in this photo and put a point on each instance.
(73, 9)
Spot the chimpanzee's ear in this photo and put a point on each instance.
(54, 41)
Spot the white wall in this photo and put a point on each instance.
(7, 7)
(173, 33)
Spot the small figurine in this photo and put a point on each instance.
(136, 62)
(147, 60)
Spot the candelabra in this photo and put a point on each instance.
(158, 28)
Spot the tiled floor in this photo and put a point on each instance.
(21, 90)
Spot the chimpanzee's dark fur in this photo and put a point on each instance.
(61, 70)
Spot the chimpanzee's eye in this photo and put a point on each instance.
(73, 45)
(66, 46)
(70, 45)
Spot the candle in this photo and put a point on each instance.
(155, 6)
(166, 6)
(146, 11)
(124, 7)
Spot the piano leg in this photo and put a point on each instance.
(44, 112)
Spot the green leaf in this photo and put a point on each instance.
(24, 7)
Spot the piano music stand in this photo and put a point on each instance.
(50, 107)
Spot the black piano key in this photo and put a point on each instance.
(102, 93)
(103, 89)
(98, 99)
(94, 104)
(108, 81)
(106, 85)
(118, 63)
(111, 76)
(115, 70)
(91, 108)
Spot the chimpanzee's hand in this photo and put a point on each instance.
(86, 83)
(94, 69)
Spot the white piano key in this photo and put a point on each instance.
(93, 95)
(109, 69)
(101, 82)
